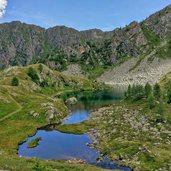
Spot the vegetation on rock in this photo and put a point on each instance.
(14, 81)
(60, 46)
(34, 143)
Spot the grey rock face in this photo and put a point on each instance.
(23, 44)
(129, 41)
(160, 22)
(19, 43)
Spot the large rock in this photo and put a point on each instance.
(71, 101)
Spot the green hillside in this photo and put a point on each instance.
(30, 105)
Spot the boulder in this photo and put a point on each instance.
(71, 101)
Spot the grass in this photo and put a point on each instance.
(96, 72)
(80, 128)
(17, 121)
(34, 143)
(14, 163)
(22, 124)
(7, 104)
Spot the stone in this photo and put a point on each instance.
(71, 101)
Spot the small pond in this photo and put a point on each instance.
(62, 146)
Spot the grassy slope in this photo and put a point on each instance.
(15, 163)
(16, 120)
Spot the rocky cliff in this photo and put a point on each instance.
(23, 44)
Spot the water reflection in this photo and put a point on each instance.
(61, 146)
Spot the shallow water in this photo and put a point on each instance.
(62, 146)
(77, 116)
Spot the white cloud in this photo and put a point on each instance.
(3, 5)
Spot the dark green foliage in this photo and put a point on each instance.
(33, 74)
(15, 81)
(138, 92)
(148, 90)
(39, 167)
(169, 95)
(2, 66)
(96, 57)
(129, 91)
(40, 68)
(44, 83)
(57, 56)
(157, 91)
(73, 58)
(161, 109)
(135, 92)
(155, 99)
(151, 101)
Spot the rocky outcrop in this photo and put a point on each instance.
(126, 132)
(71, 101)
(23, 44)
(74, 70)
(160, 22)
(19, 43)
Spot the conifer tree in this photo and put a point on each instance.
(148, 90)
(157, 91)
(15, 81)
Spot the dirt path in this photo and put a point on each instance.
(11, 114)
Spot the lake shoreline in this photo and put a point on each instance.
(85, 127)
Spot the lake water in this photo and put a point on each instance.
(62, 146)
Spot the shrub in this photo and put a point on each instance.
(157, 91)
(44, 83)
(169, 95)
(151, 102)
(161, 109)
(148, 90)
(33, 74)
(40, 68)
(135, 92)
(39, 167)
(15, 81)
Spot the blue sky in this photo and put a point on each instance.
(81, 14)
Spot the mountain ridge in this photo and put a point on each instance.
(23, 44)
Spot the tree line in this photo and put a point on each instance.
(155, 98)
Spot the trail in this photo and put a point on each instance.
(12, 113)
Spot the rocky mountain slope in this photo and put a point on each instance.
(23, 44)
(137, 71)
